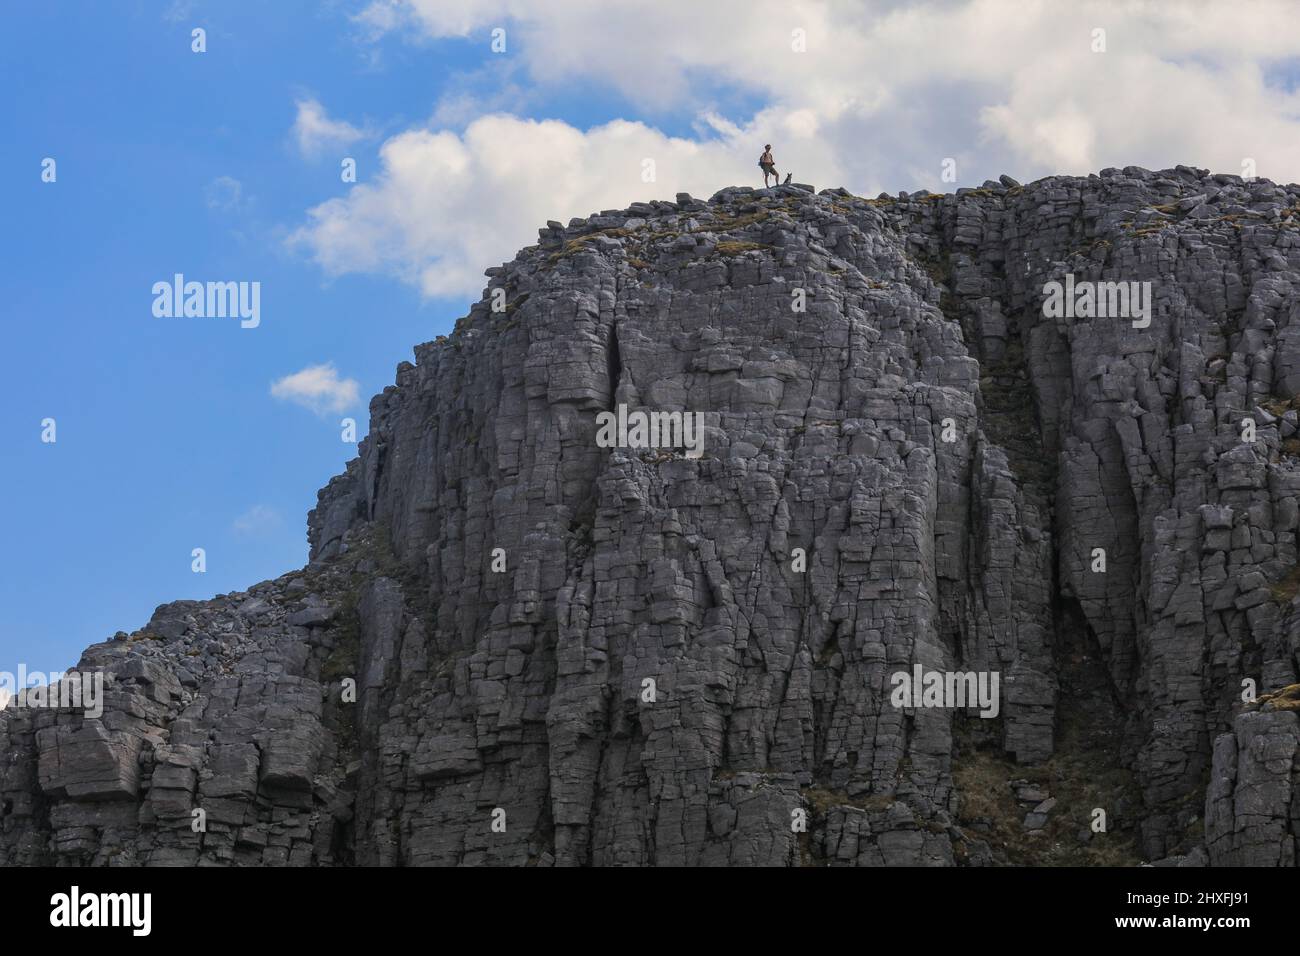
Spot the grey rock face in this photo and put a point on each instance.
(515, 646)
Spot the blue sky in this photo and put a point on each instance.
(168, 435)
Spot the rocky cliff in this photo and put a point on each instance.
(515, 646)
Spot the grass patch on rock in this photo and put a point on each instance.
(1285, 588)
(738, 247)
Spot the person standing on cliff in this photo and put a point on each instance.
(768, 165)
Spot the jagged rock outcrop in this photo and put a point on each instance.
(569, 654)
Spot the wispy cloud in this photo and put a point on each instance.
(316, 133)
(257, 519)
(225, 194)
(178, 10)
(318, 388)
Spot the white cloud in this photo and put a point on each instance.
(257, 519)
(315, 132)
(446, 206)
(318, 388)
(884, 93)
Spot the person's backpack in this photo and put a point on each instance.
(760, 160)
